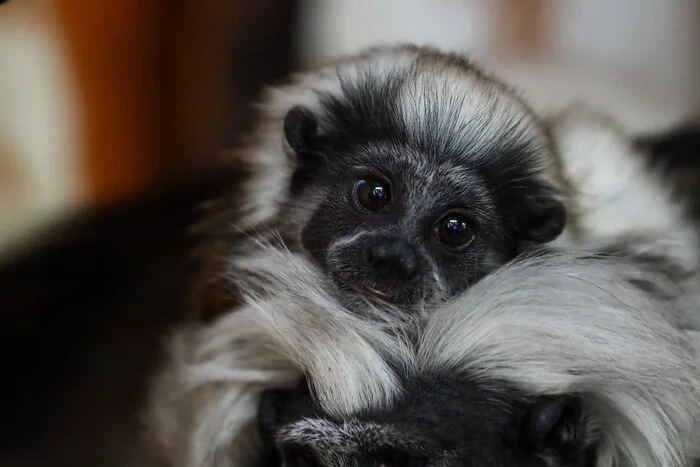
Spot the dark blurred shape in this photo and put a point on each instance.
(84, 314)
(676, 152)
(166, 83)
(678, 147)
(85, 308)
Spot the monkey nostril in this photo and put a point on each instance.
(378, 255)
(381, 253)
(370, 257)
(410, 266)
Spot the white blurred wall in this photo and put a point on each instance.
(638, 59)
(332, 27)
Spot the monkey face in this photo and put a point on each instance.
(440, 422)
(396, 233)
(407, 211)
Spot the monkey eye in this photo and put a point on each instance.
(454, 231)
(372, 194)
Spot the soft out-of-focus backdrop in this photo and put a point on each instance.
(99, 99)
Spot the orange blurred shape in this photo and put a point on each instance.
(113, 48)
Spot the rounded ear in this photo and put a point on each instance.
(545, 220)
(300, 129)
(558, 430)
(544, 418)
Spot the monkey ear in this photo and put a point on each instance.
(300, 129)
(558, 431)
(544, 220)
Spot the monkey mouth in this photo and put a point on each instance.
(371, 290)
(383, 293)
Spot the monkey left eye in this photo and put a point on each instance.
(454, 231)
(373, 195)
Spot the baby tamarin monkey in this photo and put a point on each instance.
(388, 182)
(406, 175)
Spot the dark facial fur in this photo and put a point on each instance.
(442, 420)
(410, 212)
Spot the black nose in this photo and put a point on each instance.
(393, 257)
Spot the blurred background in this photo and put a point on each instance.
(100, 99)
(104, 100)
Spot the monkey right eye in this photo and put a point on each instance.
(454, 231)
(372, 194)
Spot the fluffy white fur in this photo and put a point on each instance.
(557, 324)
(207, 397)
(548, 326)
(614, 192)
(567, 325)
